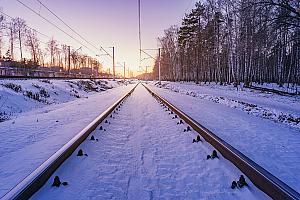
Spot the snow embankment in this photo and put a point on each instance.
(280, 109)
(32, 137)
(18, 96)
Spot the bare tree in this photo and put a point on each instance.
(52, 48)
(20, 30)
(33, 44)
(2, 27)
(75, 57)
(12, 36)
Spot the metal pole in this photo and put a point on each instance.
(159, 78)
(69, 59)
(114, 63)
(140, 35)
(146, 74)
(124, 71)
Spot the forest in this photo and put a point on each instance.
(234, 41)
(21, 43)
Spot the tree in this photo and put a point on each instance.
(2, 26)
(32, 42)
(52, 48)
(12, 36)
(20, 30)
(65, 54)
(235, 41)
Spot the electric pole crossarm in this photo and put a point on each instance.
(148, 54)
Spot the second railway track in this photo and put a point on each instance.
(143, 151)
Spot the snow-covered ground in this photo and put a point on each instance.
(19, 96)
(290, 88)
(31, 137)
(143, 154)
(263, 126)
(280, 109)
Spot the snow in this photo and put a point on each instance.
(143, 154)
(19, 96)
(281, 109)
(31, 137)
(290, 88)
(273, 144)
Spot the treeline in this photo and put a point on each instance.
(19, 42)
(234, 41)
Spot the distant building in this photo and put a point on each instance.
(14, 68)
(86, 72)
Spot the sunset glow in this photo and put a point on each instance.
(105, 23)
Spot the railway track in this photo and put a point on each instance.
(143, 166)
(53, 78)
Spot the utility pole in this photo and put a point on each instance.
(159, 61)
(69, 59)
(114, 72)
(124, 71)
(146, 75)
(159, 78)
(140, 34)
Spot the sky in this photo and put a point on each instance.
(105, 23)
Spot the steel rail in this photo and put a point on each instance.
(45, 77)
(33, 182)
(260, 177)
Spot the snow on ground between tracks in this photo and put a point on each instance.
(273, 145)
(32, 137)
(144, 154)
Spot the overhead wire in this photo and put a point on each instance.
(72, 29)
(28, 7)
(60, 29)
(35, 30)
(66, 24)
(27, 25)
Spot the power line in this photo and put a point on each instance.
(67, 24)
(45, 35)
(54, 25)
(27, 26)
(60, 19)
(105, 51)
(5, 14)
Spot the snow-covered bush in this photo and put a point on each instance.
(14, 87)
